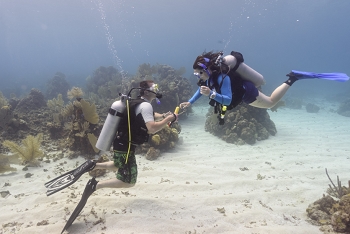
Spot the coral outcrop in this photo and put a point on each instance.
(35, 100)
(57, 85)
(243, 124)
(3, 100)
(160, 142)
(6, 116)
(329, 212)
(80, 120)
(174, 88)
(107, 82)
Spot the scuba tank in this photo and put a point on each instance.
(246, 72)
(109, 129)
(115, 115)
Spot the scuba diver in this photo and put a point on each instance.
(142, 122)
(228, 81)
(128, 124)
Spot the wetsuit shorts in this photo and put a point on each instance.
(251, 92)
(127, 172)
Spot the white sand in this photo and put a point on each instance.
(200, 187)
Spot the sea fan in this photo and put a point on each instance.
(29, 151)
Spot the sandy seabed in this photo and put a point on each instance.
(205, 185)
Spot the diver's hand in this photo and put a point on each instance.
(166, 114)
(185, 105)
(205, 90)
(173, 118)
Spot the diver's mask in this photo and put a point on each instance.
(154, 89)
(198, 74)
(200, 82)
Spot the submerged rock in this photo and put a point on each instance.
(243, 124)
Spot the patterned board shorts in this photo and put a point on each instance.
(127, 172)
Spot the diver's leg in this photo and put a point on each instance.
(106, 165)
(113, 183)
(263, 101)
(278, 93)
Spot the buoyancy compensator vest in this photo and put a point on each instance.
(237, 88)
(136, 123)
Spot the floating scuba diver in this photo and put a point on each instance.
(128, 124)
(228, 81)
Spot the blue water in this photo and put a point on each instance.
(39, 38)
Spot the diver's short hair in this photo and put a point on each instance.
(144, 85)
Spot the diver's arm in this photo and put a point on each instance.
(225, 97)
(154, 127)
(148, 116)
(158, 116)
(194, 98)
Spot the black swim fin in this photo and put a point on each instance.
(63, 181)
(89, 189)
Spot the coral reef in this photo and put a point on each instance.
(6, 117)
(35, 100)
(93, 140)
(312, 108)
(328, 212)
(344, 108)
(6, 113)
(146, 70)
(29, 151)
(13, 102)
(73, 126)
(82, 123)
(75, 92)
(152, 153)
(56, 106)
(175, 88)
(89, 112)
(107, 82)
(244, 124)
(56, 85)
(3, 100)
(161, 141)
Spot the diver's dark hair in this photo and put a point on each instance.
(145, 85)
(208, 59)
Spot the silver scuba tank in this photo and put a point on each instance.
(111, 124)
(245, 71)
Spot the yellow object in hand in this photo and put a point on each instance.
(177, 110)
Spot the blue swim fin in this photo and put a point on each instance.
(341, 77)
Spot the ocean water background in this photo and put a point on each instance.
(39, 38)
